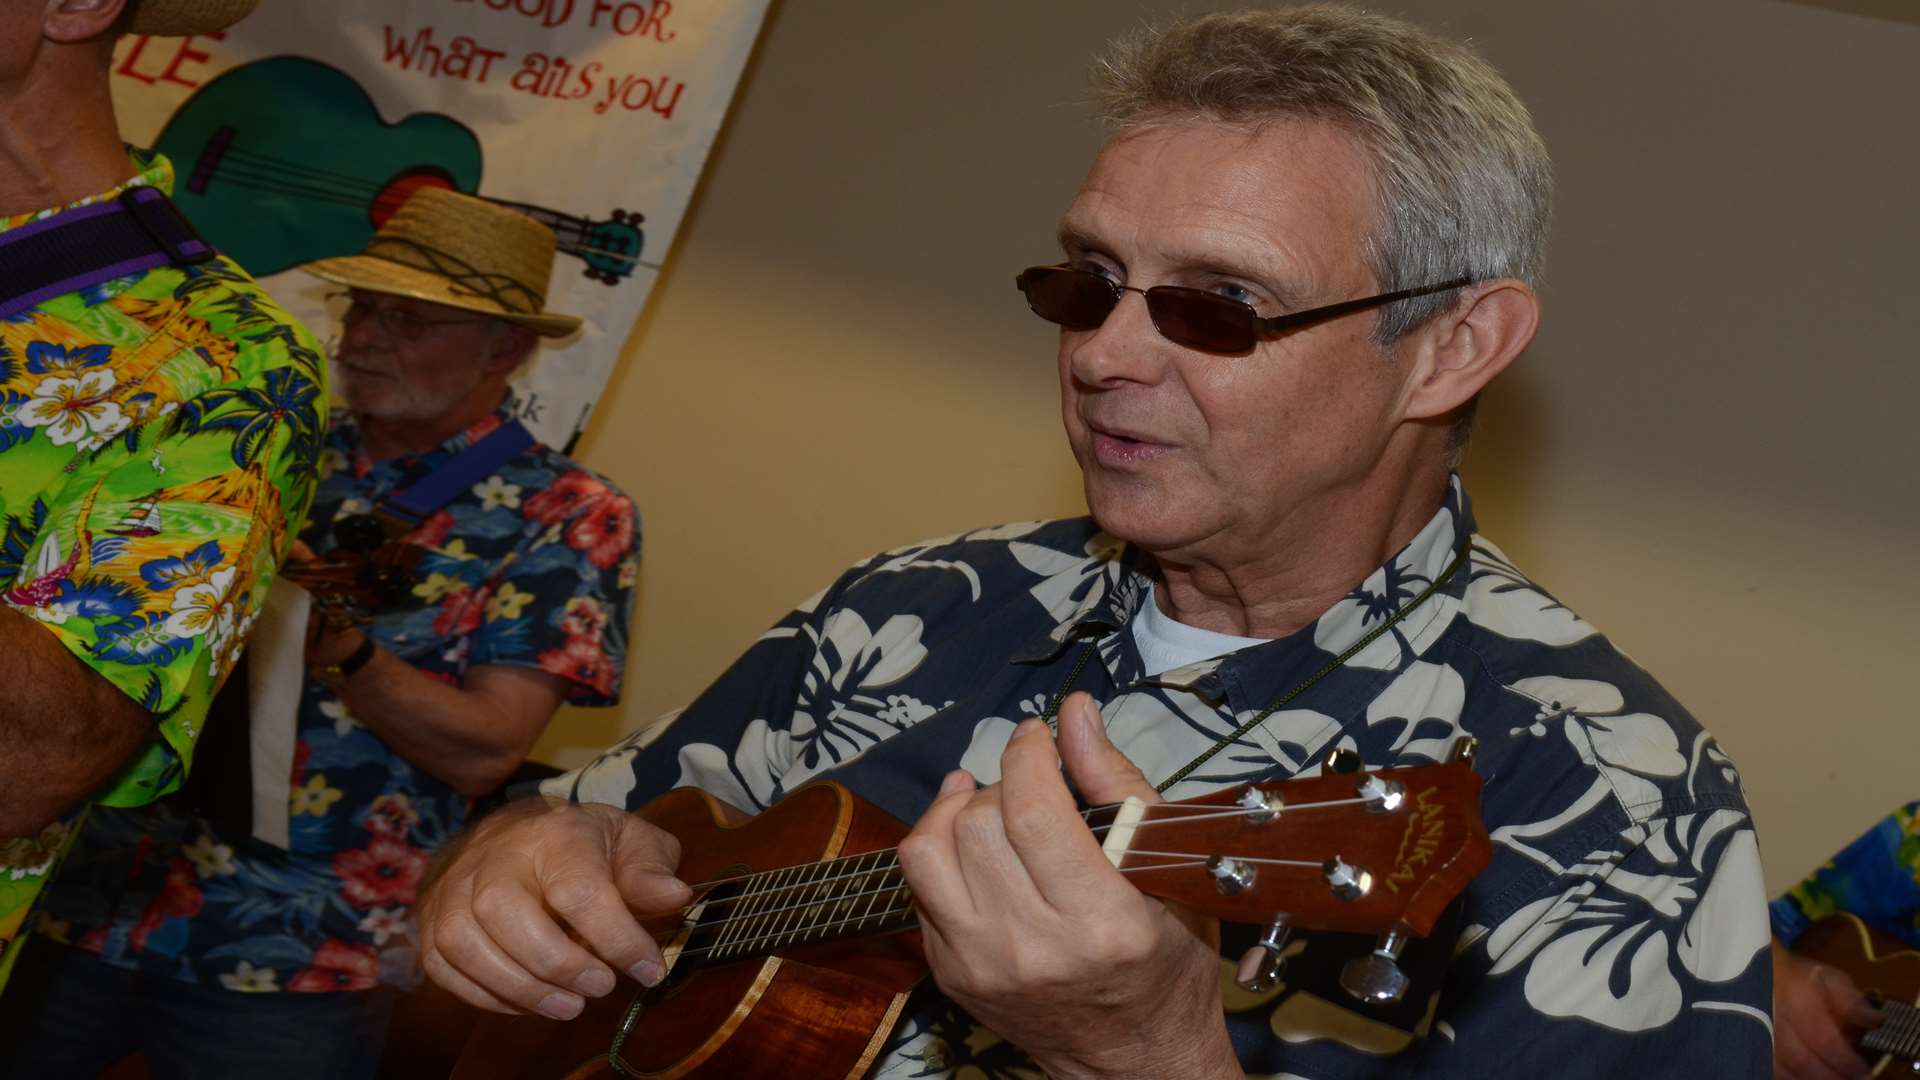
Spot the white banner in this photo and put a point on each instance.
(299, 130)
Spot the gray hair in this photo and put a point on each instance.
(1464, 185)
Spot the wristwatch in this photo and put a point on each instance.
(336, 674)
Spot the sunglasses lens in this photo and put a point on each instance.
(1201, 320)
(1075, 299)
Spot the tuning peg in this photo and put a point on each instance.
(1260, 966)
(1344, 759)
(1261, 806)
(1375, 978)
(1463, 750)
(1382, 796)
(1230, 876)
(1349, 882)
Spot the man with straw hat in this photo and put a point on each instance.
(519, 601)
(160, 420)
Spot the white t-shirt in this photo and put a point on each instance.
(1166, 644)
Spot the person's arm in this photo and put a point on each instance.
(1818, 1014)
(1033, 931)
(472, 735)
(64, 730)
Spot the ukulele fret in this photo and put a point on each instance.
(1898, 1034)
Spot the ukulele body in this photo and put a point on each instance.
(810, 1011)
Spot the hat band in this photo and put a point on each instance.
(463, 278)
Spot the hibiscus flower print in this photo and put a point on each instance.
(46, 357)
(1645, 933)
(204, 608)
(337, 965)
(1631, 749)
(569, 494)
(386, 872)
(582, 661)
(392, 815)
(75, 412)
(604, 534)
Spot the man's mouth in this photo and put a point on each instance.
(1118, 446)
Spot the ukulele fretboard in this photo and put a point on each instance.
(1898, 1034)
(779, 909)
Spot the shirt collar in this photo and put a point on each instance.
(346, 436)
(150, 170)
(1255, 676)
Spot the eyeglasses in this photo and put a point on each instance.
(392, 321)
(1195, 318)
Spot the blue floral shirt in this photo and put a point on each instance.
(1621, 925)
(533, 566)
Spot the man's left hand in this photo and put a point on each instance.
(1030, 928)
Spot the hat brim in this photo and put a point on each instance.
(175, 18)
(379, 275)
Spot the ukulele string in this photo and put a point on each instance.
(1188, 860)
(892, 912)
(1181, 815)
(884, 865)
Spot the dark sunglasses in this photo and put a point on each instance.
(1196, 318)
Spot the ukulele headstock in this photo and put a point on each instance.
(1349, 850)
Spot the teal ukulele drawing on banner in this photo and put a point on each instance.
(285, 160)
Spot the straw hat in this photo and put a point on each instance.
(460, 251)
(178, 18)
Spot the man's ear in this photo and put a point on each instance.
(1461, 350)
(70, 22)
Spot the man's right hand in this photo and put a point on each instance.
(499, 922)
(1818, 1013)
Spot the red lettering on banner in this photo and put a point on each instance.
(553, 77)
(182, 52)
(550, 13)
(634, 93)
(632, 18)
(461, 58)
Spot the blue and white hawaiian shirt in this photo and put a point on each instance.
(1622, 924)
(533, 566)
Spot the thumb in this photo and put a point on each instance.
(1097, 767)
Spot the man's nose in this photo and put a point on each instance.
(1126, 347)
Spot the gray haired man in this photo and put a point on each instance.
(1309, 243)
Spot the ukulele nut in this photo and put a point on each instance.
(1230, 876)
(1349, 882)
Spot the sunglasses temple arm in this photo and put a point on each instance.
(1334, 311)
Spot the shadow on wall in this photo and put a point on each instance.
(1905, 11)
(1505, 462)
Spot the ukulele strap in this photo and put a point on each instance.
(82, 247)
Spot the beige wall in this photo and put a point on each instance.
(1707, 452)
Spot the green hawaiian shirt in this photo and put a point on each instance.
(159, 435)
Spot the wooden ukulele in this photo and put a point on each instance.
(1883, 967)
(800, 947)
